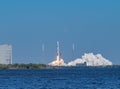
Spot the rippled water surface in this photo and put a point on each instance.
(61, 78)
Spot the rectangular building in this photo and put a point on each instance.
(5, 54)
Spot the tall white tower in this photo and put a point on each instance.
(73, 49)
(5, 54)
(43, 53)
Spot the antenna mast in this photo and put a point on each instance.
(43, 50)
(73, 49)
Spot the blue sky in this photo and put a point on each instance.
(92, 25)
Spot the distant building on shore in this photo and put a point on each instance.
(81, 64)
(5, 54)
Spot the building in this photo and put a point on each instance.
(81, 64)
(5, 54)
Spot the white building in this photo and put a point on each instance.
(5, 54)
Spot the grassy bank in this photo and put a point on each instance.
(41, 66)
(22, 66)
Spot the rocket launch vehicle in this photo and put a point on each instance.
(59, 61)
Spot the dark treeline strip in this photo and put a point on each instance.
(40, 66)
(22, 66)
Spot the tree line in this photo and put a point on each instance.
(22, 66)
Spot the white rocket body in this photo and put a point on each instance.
(59, 61)
(58, 52)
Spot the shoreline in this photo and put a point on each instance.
(44, 66)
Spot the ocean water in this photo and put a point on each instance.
(60, 78)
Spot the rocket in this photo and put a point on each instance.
(58, 48)
(58, 52)
(59, 61)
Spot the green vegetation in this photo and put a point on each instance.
(41, 66)
(23, 66)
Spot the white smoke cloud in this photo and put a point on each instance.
(58, 63)
(91, 60)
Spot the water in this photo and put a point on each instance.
(64, 78)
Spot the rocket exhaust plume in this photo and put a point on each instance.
(59, 61)
(89, 59)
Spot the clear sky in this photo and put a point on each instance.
(92, 25)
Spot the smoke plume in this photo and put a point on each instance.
(91, 60)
